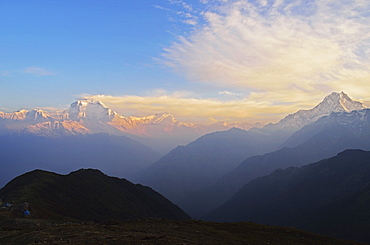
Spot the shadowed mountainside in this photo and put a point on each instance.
(330, 197)
(322, 139)
(188, 169)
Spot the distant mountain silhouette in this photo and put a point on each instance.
(199, 165)
(187, 169)
(330, 197)
(87, 194)
(322, 139)
(115, 155)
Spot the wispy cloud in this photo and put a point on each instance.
(229, 93)
(191, 109)
(181, 12)
(282, 51)
(49, 109)
(38, 71)
(3, 109)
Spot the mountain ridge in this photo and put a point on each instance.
(323, 138)
(214, 155)
(87, 116)
(87, 194)
(328, 197)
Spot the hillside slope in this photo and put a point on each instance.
(87, 194)
(330, 197)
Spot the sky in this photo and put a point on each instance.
(201, 60)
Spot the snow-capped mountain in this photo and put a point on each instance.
(93, 116)
(355, 123)
(36, 115)
(335, 102)
(33, 115)
(90, 110)
(57, 128)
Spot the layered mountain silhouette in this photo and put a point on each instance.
(184, 172)
(115, 155)
(87, 195)
(321, 139)
(329, 197)
(187, 169)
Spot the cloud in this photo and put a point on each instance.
(181, 12)
(282, 51)
(187, 108)
(38, 71)
(3, 109)
(49, 109)
(228, 93)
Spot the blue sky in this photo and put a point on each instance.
(202, 60)
(80, 47)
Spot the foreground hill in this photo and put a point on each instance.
(330, 197)
(156, 231)
(86, 195)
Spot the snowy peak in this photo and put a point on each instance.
(163, 118)
(156, 119)
(36, 115)
(17, 115)
(90, 109)
(334, 102)
(338, 102)
(57, 128)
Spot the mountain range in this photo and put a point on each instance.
(330, 197)
(207, 163)
(321, 139)
(88, 134)
(92, 116)
(208, 177)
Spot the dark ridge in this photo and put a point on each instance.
(330, 197)
(87, 194)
